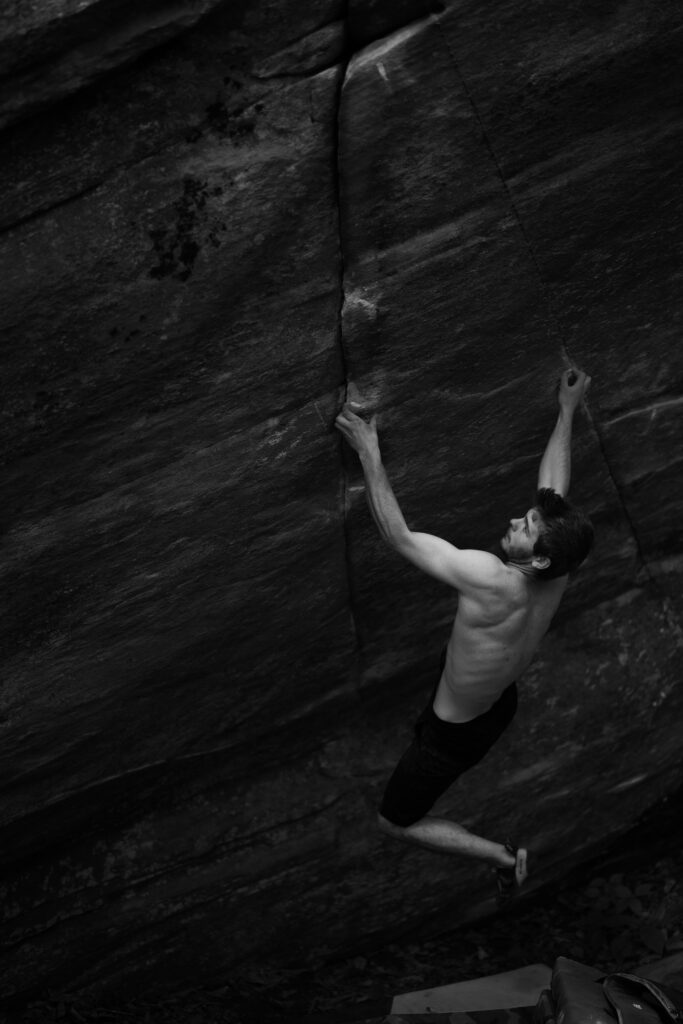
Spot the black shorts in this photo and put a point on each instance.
(439, 753)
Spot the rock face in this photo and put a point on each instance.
(51, 48)
(210, 663)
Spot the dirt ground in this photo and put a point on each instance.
(623, 910)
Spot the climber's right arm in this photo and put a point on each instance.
(467, 571)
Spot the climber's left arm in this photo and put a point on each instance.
(555, 468)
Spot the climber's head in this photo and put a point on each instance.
(552, 538)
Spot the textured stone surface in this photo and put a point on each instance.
(210, 663)
(49, 50)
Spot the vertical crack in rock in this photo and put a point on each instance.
(499, 171)
(344, 500)
(553, 319)
(666, 605)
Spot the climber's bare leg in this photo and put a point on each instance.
(449, 837)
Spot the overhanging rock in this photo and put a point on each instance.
(210, 664)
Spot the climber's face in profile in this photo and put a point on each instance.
(521, 536)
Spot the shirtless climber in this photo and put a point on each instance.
(505, 607)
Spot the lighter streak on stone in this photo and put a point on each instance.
(383, 74)
(544, 767)
(377, 50)
(320, 415)
(653, 409)
(476, 228)
(628, 783)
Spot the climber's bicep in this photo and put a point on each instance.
(467, 570)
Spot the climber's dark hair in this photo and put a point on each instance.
(566, 535)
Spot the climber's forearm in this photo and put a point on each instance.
(382, 500)
(555, 468)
